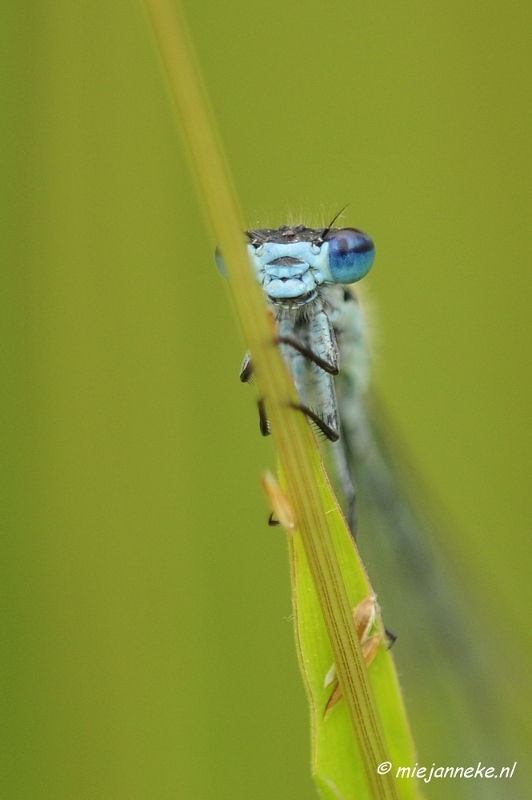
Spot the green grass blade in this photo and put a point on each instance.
(336, 760)
(306, 484)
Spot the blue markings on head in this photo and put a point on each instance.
(291, 264)
(350, 255)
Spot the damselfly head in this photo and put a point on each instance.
(292, 262)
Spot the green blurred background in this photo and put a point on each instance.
(147, 649)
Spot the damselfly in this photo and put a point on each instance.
(306, 274)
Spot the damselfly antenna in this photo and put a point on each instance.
(331, 223)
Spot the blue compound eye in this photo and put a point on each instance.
(351, 254)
